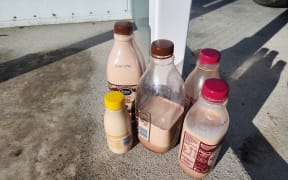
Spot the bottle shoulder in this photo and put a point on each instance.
(116, 122)
(207, 125)
(123, 52)
(152, 86)
(208, 111)
(156, 74)
(150, 81)
(197, 74)
(115, 115)
(195, 80)
(123, 66)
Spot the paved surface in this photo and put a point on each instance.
(52, 82)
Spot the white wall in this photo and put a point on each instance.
(39, 12)
(169, 19)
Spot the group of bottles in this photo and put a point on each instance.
(161, 101)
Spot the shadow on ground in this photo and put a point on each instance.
(200, 7)
(15, 67)
(246, 67)
(249, 71)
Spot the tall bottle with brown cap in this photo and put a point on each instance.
(123, 67)
(207, 67)
(160, 100)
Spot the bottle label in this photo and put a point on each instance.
(144, 123)
(129, 92)
(118, 142)
(197, 155)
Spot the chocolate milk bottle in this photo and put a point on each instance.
(160, 100)
(207, 67)
(204, 127)
(123, 66)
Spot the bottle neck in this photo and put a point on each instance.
(206, 102)
(163, 62)
(123, 38)
(208, 67)
(115, 111)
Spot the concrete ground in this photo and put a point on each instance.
(52, 83)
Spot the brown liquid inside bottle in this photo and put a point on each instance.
(160, 100)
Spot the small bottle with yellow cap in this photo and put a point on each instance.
(116, 123)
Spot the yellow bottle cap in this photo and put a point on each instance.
(114, 100)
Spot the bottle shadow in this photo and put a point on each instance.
(14, 67)
(249, 91)
(29, 62)
(252, 76)
(200, 7)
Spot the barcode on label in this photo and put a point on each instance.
(126, 141)
(143, 132)
(144, 125)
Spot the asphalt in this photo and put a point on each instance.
(53, 79)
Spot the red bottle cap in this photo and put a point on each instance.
(209, 56)
(215, 90)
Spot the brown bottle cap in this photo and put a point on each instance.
(123, 28)
(162, 49)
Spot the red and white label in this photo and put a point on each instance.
(197, 155)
